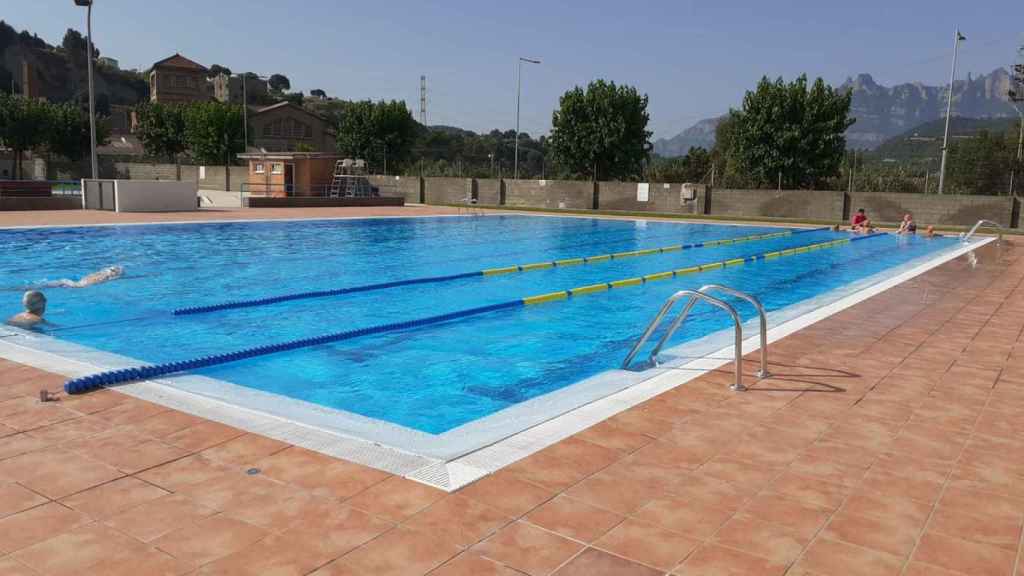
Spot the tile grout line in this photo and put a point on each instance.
(817, 535)
(963, 449)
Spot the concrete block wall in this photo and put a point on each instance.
(558, 194)
(219, 178)
(934, 209)
(802, 204)
(662, 197)
(447, 190)
(489, 191)
(409, 187)
(145, 171)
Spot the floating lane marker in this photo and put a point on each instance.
(594, 288)
(551, 297)
(496, 271)
(488, 272)
(589, 289)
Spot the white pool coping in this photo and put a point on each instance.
(455, 458)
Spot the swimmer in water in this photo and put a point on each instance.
(35, 306)
(107, 274)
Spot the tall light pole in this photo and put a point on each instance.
(519, 76)
(245, 111)
(245, 105)
(949, 110)
(1020, 141)
(92, 92)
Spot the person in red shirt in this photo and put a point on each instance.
(860, 222)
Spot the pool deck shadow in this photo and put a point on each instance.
(910, 462)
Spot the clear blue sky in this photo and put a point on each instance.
(693, 58)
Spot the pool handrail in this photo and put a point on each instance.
(695, 295)
(965, 238)
(763, 372)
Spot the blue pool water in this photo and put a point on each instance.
(434, 378)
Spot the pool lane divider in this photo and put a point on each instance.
(487, 272)
(92, 382)
(604, 286)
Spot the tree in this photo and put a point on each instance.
(601, 132)
(74, 47)
(693, 167)
(68, 131)
(213, 131)
(318, 93)
(279, 83)
(217, 70)
(23, 126)
(785, 129)
(982, 164)
(161, 128)
(293, 97)
(369, 129)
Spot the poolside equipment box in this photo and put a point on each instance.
(139, 195)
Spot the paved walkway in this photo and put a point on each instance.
(81, 217)
(889, 442)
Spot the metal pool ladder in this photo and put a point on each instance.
(966, 237)
(693, 297)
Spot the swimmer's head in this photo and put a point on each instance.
(116, 270)
(34, 302)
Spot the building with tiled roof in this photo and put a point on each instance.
(177, 79)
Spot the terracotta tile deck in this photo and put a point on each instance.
(889, 441)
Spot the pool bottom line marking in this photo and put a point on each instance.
(92, 382)
(477, 273)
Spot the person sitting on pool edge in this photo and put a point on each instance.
(35, 306)
(907, 226)
(859, 222)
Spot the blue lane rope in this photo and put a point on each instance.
(87, 383)
(321, 293)
(379, 286)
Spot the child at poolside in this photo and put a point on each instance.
(35, 306)
(908, 226)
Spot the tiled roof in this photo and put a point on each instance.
(179, 61)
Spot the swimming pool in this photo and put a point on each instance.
(446, 387)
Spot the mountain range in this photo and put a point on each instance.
(883, 112)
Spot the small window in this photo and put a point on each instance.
(309, 131)
(266, 129)
(258, 168)
(277, 168)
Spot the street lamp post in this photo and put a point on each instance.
(519, 76)
(92, 91)
(245, 105)
(1020, 144)
(949, 110)
(245, 111)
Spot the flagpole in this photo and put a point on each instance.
(949, 110)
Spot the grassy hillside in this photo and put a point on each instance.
(925, 141)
